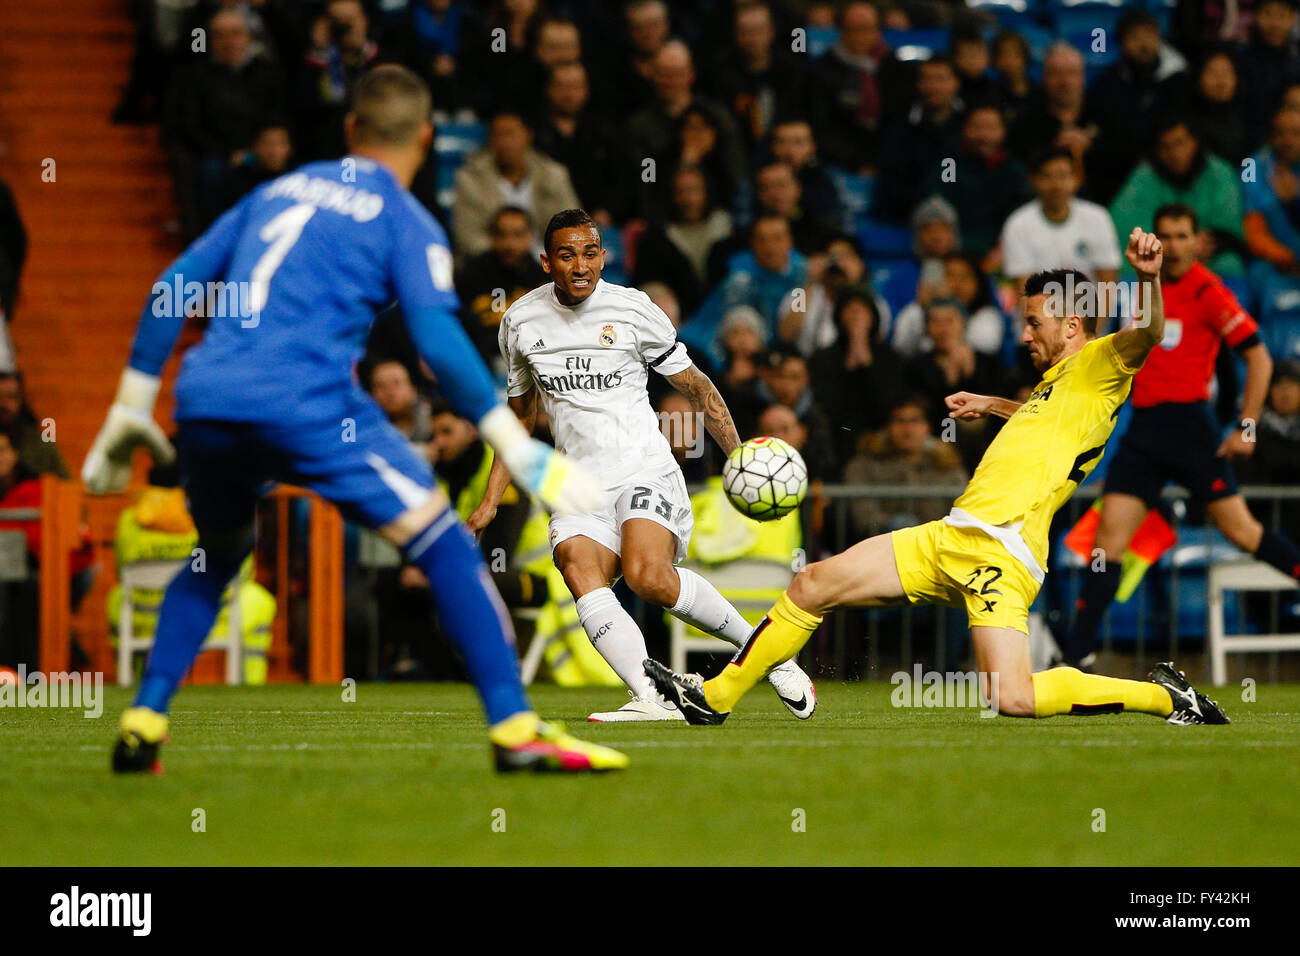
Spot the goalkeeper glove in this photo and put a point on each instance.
(561, 484)
(129, 424)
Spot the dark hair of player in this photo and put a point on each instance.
(567, 219)
(1065, 282)
(391, 105)
(1175, 210)
(1048, 155)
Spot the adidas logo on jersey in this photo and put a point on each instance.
(539, 344)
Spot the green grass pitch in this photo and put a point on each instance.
(294, 775)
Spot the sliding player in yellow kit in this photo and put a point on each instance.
(988, 553)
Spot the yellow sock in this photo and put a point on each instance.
(1064, 690)
(150, 725)
(778, 638)
(514, 731)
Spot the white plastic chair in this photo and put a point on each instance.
(156, 575)
(730, 577)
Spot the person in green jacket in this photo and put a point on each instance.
(1180, 170)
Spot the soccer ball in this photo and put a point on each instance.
(765, 478)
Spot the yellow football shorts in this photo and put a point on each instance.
(963, 567)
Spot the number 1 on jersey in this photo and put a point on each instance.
(281, 232)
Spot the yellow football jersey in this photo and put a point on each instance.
(1051, 444)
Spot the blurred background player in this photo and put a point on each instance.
(988, 553)
(1173, 436)
(261, 400)
(586, 346)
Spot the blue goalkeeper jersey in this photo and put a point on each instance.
(291, 279)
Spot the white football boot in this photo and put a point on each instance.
(639, 708)
(795, 689)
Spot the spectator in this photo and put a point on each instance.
(742, 339)
(662, 295)
(961, 280)
(270, 155)
(807, 314)
(935, 235)
(1271, 223)
(1131, 95)
(778, 194)
(686, 437)
(984, 184)
(665, 130)
(217, 106)
(33, 439)
(915, 142)
(759, 277)
(507, 172)
(340, 51)
(20, 488)
(1217, 107)
(759, 79)
(676, 252)
(970, 58)
(1276, 460)
(905, 454)
(430, 36)
(1015, 92)
(13, 254)
(859, 377)
(490, 282)
(1267, 64)
(1180, 171)
(787, 382)
(406, 409)
(1063, 117)
(648, 28)
(507, 75)
(1058, 230)
(953, 365)
(571, 133)
(781, 422)
(793, 144)
(852, 83)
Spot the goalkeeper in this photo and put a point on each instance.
(269, 395)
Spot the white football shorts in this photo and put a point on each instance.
(662, 499)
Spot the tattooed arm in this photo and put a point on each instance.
(705, 399)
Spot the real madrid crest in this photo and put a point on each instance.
(607, 336)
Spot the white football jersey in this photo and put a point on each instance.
(590, 364)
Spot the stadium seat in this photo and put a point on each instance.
(1241, 576)
(751, 586)
(1282, 336)
(918, 44)
(156, 575)
(820, 39)
(856, 192)
(883, 239)
(452, 144)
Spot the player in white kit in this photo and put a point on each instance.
(586, 347)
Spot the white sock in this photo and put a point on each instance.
(613, 632)
(700, 605)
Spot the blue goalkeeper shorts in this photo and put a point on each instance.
(357, 460)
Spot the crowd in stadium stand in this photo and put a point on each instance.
(834, 202)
